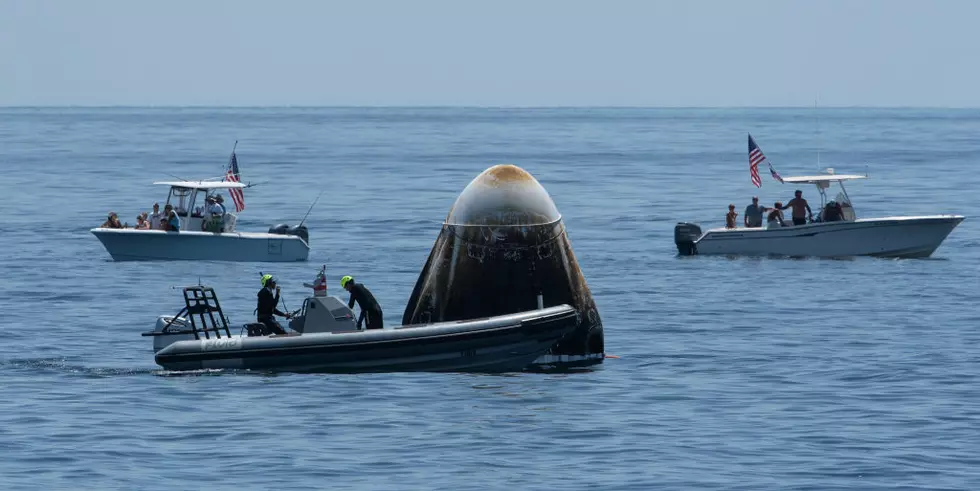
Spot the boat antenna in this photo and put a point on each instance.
(817, 127)
(308, 211)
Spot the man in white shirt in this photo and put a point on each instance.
(156, 218)
(216, 214)
(216, 209)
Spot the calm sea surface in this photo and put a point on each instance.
(732, 373)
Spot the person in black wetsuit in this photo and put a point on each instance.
(268, 301)
(370, 309)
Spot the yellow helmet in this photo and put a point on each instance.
(345, 280)
(266, 278)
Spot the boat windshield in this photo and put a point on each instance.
(838, 208)
(180, 199)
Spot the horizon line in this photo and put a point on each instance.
(451, 106)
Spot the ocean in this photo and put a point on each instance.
(729, 373)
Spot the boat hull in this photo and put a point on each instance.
(901, 237)
(497, 344)
(159, 245)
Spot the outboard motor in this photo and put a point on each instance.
(169, 330)
(685, 236)
(297, 230)
(300, 231)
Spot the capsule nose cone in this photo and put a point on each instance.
(503, 195)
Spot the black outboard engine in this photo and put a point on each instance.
(297, 230)
(300, 231)
(685, 236)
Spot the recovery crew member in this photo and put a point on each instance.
(370, 309)
(268, 301)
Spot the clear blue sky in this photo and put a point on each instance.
(490, 52)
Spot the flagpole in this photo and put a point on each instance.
(225, 175)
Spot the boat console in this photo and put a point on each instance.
(323, 314)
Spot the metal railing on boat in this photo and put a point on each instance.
(200, 306)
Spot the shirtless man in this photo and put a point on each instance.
(798, 204)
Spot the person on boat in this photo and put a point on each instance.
(171, 220)
(219, 206)
(156, 218)
(216, 214)
(730, 217)
(112, 221)
(141, 222)
(266, 310)
(833, 212)
(753, 213)
(799, 205)
(370, 309)
(775, 218)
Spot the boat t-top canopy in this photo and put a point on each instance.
(203, 184)
(822, 181)
(823, 178)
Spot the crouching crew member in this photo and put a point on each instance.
(370, 309)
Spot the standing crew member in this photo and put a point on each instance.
(753, 213)
(268, 301)
(800, 209)
(370, 309)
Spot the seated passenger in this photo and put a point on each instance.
(730, 217)
(141, 222)
(170, 221)
(775, 218)
(833, 212)
(112, 221)
(173, 222)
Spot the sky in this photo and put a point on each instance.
(516, 53)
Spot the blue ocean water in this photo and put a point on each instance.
(732, 373)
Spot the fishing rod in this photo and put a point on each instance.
(174, 176)
(311, 209)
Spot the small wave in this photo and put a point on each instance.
(63, 366)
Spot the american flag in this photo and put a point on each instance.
(232, 175)
(755, 158)
(775, 175)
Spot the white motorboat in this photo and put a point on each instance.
(833, 233)
(202, 237)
